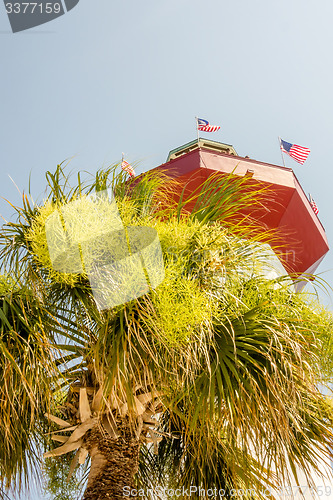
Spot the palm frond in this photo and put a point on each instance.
(26, 373)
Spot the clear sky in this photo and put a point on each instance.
(130, 76)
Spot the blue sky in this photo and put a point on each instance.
(130, 76)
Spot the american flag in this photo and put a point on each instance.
(298, 153)
(204, 126)
(313, 205)
(128, 168)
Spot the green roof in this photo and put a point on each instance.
(202, 143)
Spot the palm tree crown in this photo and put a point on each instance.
(192, 370)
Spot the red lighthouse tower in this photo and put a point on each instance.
(303, 243)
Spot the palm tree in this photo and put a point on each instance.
(205, 375)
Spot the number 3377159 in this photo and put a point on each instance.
(33, 7)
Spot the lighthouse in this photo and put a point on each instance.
(300, 241)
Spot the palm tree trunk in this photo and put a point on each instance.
(114, 462)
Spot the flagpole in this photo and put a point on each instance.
(196, 124)
(281, 152)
